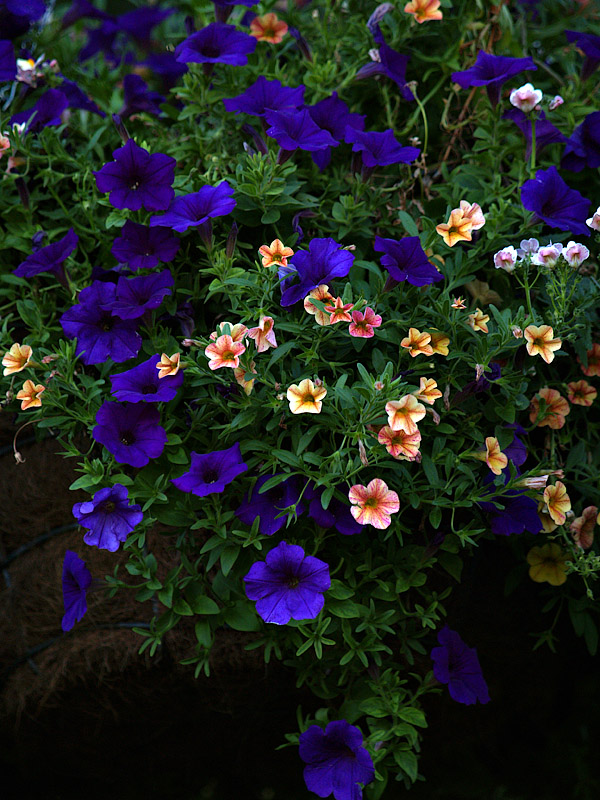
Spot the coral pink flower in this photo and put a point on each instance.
(582, 528)
(224, 353)
(478, 321)
(540, 342)
(404, 414)
(363, 324)
(457, 229)
(417, 342)
(339, 311)
(264, 335)
(275, 253)
(424, 10)
(493, 456)
(555, 412)
(593, 359)
(323, 294)
(239, 373)
(581, 393)
(473, 212)
(305, 397)
(268, 28)
(427, 391)
(29, 395)
(237, 331)
(400, 444)
(168, 365)
(558, 502)
(17, 358)
(373, 504)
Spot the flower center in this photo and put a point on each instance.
(149, 389)
(308, 398)
(108, 507)
(127, 438)
(135, 184)
(293, 582)
(107, 322)
(210, 51)
(228, 355)
(210, 476)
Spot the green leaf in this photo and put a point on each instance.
(181, 607)
(338, 591)
(410, 226)
(407, 761)
(270, 216)
(430, 470)
(228, 559)
(242, 617)
(413, 715)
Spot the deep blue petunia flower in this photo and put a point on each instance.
(77, 99)
(139, 98)
(406, 260)
(555, 203)
(103, 40)
(492, 72)
(8, 62)
(108, 516)
(269, 505)
(590, 45)
(295, 130)
(135, 296)
(140, 22)
(379, 148)
(332, 115)
(142, 247)
(288, 584)
(337, 514)
(545, 132)
(142, 384)
(47, 111)
(82, 9)
(50, 258)
(137, 178)
(16, 16)
(166, 66)
(197, 208)
(336, 761)
(263, 96)
(209, 473)
(458, 666)
(130, 431)
(217, 43)
(324, 260)
(519, 513)
(583, 146)
(394, 66)
(76, 580)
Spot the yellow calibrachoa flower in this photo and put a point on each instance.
(323, 294)
(275, 253)
(29, 395)
(581, 393)
(417, 342)
(478, 321)
(404, 414)
(305, 397)
(17, 358)
(558, 502)
(547, 563)
(439, 342)
(168, 365)
(427, 391)
(239, 373)
(546, 521)
(540, 342)
(493, 456)
(424, 10)
(457, 229)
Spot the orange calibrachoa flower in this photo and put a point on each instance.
(400, 444)
(458, 303)
(547, 563)
(478, 321)
(556, 410)
(493, 456)
(268, 28)
(323, 294)
(305, 397)
(547, 523)
(582, 528)
(558, 502)
(404, 414)
(264, 335)
(427, 391)
(540, 342)
(17, 358)
(424, 10)
(239, 374)
(373, 504)
(581, 393)
(224, 352)
(275, 253)
(439, 342)
(593, 359)
(29, 395)
(168, 365)
(237, 331)
(457, 229)
(417, 342)
(473, 212)
(339, 311)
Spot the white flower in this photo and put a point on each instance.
(594, 222)
(526, 97)
(575, 254)
(506, 259)
(547, 256)
(528, 247)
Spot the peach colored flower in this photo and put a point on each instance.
(404, 414)
(320, 293)
(424, 10)
(224, 352)
(473, 212)
(547, 523)
(4, 144)
(558, 502)
(29, 395)
(492, 455)
(400, 444)
(239, 373)
(373, 504)
(581, 393)
(417, 342)
(582, 528)
(275, 253)
(439, 342)
(264, 335)
(556, 410)
(237, 331)
(363, 323)
(17, 358)
(458, 303)
(339, 311)
(168, 365)
(547, 563)
(593, 359)
(478, 321)
(540, 342)
(427, 391)
(268, 28)
(457, 229)
(305, 397)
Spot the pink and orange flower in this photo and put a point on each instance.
(458, 303)
(581, 393)
(457, 229)
(268, 28)
(275, 253)
(404, 414)
(582, 528)
(540, 341)
(363, 324)
(427, 391)
(478, 321)
(555, 412)
(264, 334)
(323, 294)
(417, 342)
(239, 373)
(424, 10)
(558, 502)
(492, 455)
(373, 504)
(339, 311)
(237, 331)
(168, 365)
(593, 359)
(17, 358)
(305, 397)
(399, 444)
(224, 352)
(473, 212)
(29, 395)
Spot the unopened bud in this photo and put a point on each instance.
(362, 453)
(517, 332)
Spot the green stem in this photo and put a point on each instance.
(532, 161)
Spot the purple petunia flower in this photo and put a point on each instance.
(295, 130)
(288, 585)
(17, 16)
(167, 67)
(545, 132)
(519, 513)
(379, 148)
(82, 9)
(135, 296)
(47, 111)
(108, 516)
(406, 260)
(590, 44)
(139, 98)
(458, 666)
(8, 62)
(49, 259)
(583, 146)
(211, 472)
(142, 248)
(195, 209)
(333, 115)
(77, 99)
(103, 40)
(140, 22)
(337, 514)
(217, 43)
(336, 760)
(142, 384)
(136, 178)
(492, 72)
(555, 203)
(100, 335)
(324, 260)
(269, 505)
(130, 431)
(392, 64)
(265, 96)
(76, 580)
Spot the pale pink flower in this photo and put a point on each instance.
(473, 212)
(506, 259)
(547, 256)
(526, 98)
(555, 102)
(594, 222)
(575, 254)
(528, 247)
(264, 334)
